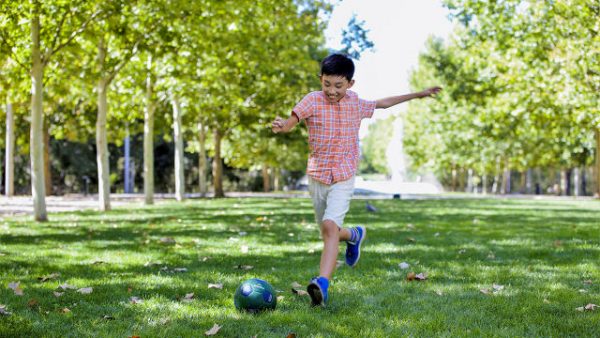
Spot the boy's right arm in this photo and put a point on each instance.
(281, 125)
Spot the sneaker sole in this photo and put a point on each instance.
(316, 295)
(364, 236)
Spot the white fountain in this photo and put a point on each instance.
(398, 184)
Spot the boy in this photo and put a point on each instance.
(333, 116)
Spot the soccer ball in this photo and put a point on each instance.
(255, 295)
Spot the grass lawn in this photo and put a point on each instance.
(494, 268)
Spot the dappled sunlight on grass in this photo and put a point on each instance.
(542, 253)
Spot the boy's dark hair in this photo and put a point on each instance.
(338, 64)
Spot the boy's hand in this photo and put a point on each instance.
(278, 125)
(431, 91)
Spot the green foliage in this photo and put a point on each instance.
(374, 147)
(520, 85)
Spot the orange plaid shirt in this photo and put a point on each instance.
(333, 134)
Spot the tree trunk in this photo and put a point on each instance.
(37, 121)
(202, 160)
(470, 181)
(149, 139)
(178, 138)
(10, 152)
(563, 182)
(266, 178)
(505, 189)
(576, 182)
(47, 169)
(529, 181)
(218, 166)
(453, 178)
(597, 173)
(276, 179)
(484, 183)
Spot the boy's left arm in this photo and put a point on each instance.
(394, 100)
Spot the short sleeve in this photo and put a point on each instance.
(366, 108)
(305, 108)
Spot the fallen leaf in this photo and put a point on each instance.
(410, 226)
(188, 297)
(557, 243)
(3, 310)
(491, 255)
(58, 294)
(215, 286)
(299, 292)
(129, 290)
(135, 300)
(497, 287)
(213, 331)
(546, 301)
(67, 286)
(291, 335)
(587, 281)
(85, 291)
(297, 285)
(46, 278)
(404, 265)
(411, 240)
(180, 270)
(204, 259)
(167, 240)
(591, 307)
(410, 276)
(107, 317)
(485, 291)
(32, 303)
(65, 310)
(16, 288)
(421, 276)
(243, 267)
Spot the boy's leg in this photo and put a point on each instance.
(338, 204)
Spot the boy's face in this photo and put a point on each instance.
(335, 87)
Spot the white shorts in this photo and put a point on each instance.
(331, 202)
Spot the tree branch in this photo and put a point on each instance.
(47, 57)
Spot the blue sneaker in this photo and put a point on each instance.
(317, 289)
(353, 248)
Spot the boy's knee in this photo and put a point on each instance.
(329, 228)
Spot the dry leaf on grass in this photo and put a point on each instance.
(65, 310)
(213, 331)
(3, 311)
(419, 277)
(587, 281)
(485, 291)
(85, 291)
(291, 335)
(107, 317)
(135, 300)
(16, 288)
(215, 286)
(589, 307)
(46, 278)
(299, 292)
(32, 303)
(188, 297)
(66, 286)
(167, 240)
(497, 287)
(57, 294)
(411, 240)
(297, 285)
(180, 270)
(243, 267)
